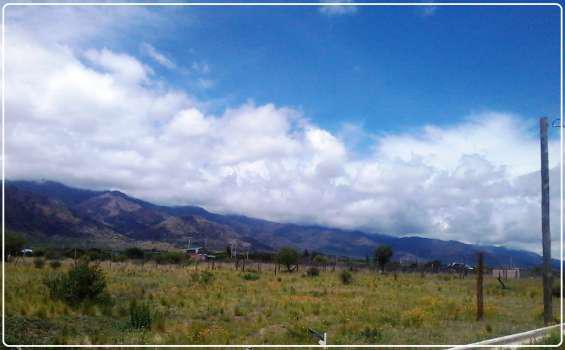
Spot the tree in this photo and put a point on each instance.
(14, 243)
(321, 260)
(134, 253)
(382, 256)
(288, 256)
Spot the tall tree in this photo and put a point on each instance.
(288, 257)
(382, 256)
(13, 243)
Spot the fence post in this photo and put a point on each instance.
(480, 305)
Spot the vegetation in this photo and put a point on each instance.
(250, 277)
(346, 277)
(383, 254)
(38, 263)
(55, 264)
(82, 282)
(313, 271)
(192, 304)
(13, 244)
(139, 315)
(288, 257)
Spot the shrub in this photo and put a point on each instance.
(134, 253)
(170, 258)
(55, 264)
(82, 282)
(38, 253)
(139, 315)
(371, 335)
(313, 271)
(38, 263)
(51, 255)
(250, 277)
(204, 277)
(346, 277)
(556, 291)
(13, 243)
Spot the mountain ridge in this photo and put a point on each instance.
(51, 211)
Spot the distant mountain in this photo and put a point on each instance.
(52, 213)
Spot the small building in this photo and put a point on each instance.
(194, 250)
(27, 251)
(506, 273)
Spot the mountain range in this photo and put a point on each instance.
(51, 213)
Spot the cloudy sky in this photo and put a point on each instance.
(404, 121)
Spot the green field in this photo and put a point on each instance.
(373, 309)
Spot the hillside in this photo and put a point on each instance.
(52, 213)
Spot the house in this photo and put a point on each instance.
(194, 250)
(27, 251)
(506, 273)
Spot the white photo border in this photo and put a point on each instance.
(281, 4)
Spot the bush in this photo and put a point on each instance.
(250, 277)
(134, 253)
(556, 291)
(82, 282)
(204, 277)
(171, 258)
(346, 277)
(313, 271)
(139, 315)
(13, 243)
(55, 264)
(38, 263)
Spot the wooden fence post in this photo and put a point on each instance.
(480, 304)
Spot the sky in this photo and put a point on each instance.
(397, 120)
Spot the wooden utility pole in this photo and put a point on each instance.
(545, 230)
(480, 304)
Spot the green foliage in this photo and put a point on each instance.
(139, 315)
(55, 264)
(250, 276)
(173, 258)
(13, 243)
(320, 260)
(556, 291)
(288, 257)
(382, 256)
(82, 282)
(134, 253)
(371, 335)
(346, 277)
(38, 263)
(203, 277)
(313, 271)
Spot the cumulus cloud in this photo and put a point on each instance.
(100, 118)
(335, 9)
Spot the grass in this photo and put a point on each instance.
(230, 309)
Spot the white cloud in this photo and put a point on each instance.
(157, 56)
(332, 7)
(100, 118)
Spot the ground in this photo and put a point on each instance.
(229, 309)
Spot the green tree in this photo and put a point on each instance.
(321, 260)
(288, 257)
(134, 253)
(14, 243)
(382, 256)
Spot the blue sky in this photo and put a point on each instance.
(404, 121)
(386, 68)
